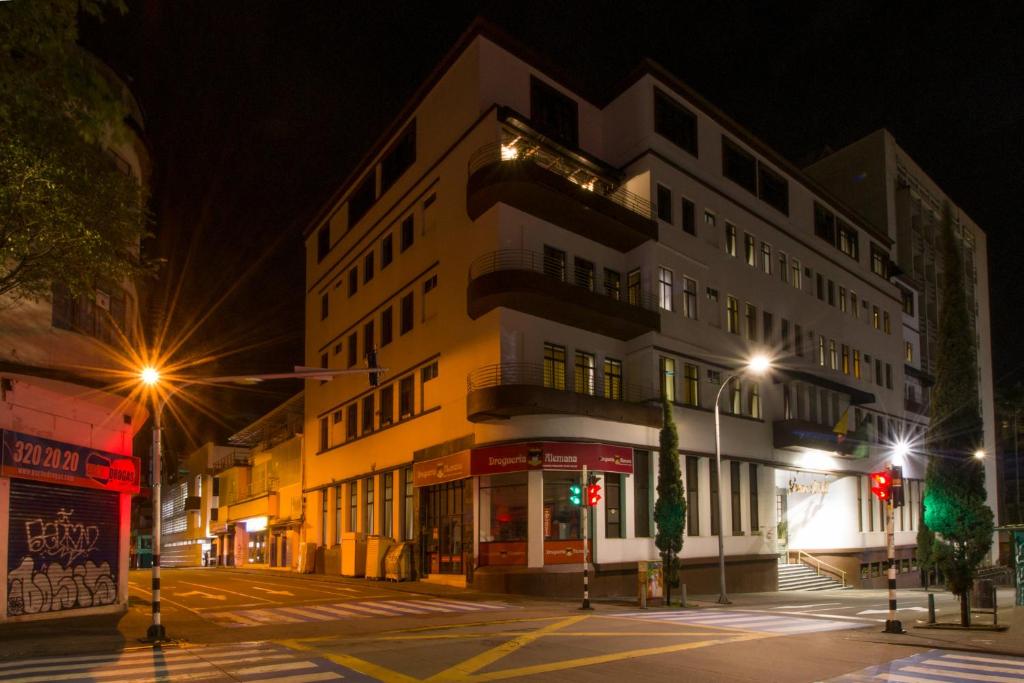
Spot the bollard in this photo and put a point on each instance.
(931, 608)
(682, 595)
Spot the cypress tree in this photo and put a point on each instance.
(670, 508)
(955, 508)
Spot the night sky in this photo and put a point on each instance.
(255, 112)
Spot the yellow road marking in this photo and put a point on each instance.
(470, 636)
(726, 629)
(465, 670)
(443, 627)
(354, 663)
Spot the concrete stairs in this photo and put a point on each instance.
(800, 577)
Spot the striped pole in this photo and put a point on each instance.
(892, 625)
(156, 633)
(586, 531)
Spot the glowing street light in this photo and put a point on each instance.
(757, 365)
(150, 376)
(900, 451)
(979, 454)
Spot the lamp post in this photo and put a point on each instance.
(151, 377)
(757, 365)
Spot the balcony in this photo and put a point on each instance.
(804, 434)
(559, 189)
(505, 390)
(538, 285)
(193, 503)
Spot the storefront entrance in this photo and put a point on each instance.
(446, 519)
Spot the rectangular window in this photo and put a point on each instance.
(430, 284)
(368, 337)
(846, 359)
(821, 351)
(848, 240)
(739, 166)
(748, 249)
(406, 404)
(368, 267)
(888, 376)
(675, 123)
(853, 305)
(691, 385)
(833, 359)
(386, 326)
(353, 281)
(612, 284)
(362, 199)
(689, 217)
(554, 262)
(878, 372)
(665, 289)
(399, 158)
(796, 274)
(351, 422)
(407, 504)
(784, 333)
(766, 258)
(831, 293)
(387, 251)
(879, 261)
(692, 496)
(856, 364)
(613, 379)
(732, 314)
(735, 397)
(820, 286)
(641, 494)
(876, 319)
(768, 327)
(613, 527)
(428, 372)
(553, 113)
(689, 298)
(368, 414)
(824, 224)
(664, 203)
(734, 495)
(325, 439)
(353, 349)
(323, 516)
(633, 292)
(842, 299)
(353, 505)
(755, 515)
(772, 189)
(709, 218)
(584, 369)
(323, 243)
(387, 405)
(751, 322)
(388, 486)
(406, 234)
(908, 352)
(798, 339)
(783, 268)
(908, 301)
(405, 313)
(583, 273)
(324, 306)
(730, 239)
(337, 513)
(554, 366)
(886, 323)
(368, 518)
(754, 398)
(667, 370)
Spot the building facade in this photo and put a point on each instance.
(188, 507)
(537, 266)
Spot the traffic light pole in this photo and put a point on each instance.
(585, 514)
(892, 625)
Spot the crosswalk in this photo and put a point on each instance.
(349, 610)
(941, 666)
(745, 621)
(253, 662)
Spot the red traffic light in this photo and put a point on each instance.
(881, 485)
(593, 494)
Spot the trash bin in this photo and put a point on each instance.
(332, 560)
(398, 562)
(353, 553)
(376, 548)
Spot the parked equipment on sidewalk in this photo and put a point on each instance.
(398, 562)
(376, 548)
(353, 553)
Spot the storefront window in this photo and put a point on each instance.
(503, 507)
(258, 546)
(561, 518)
(407, 508)
(388, 484)
(368, 522)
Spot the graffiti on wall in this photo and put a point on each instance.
(58, 559)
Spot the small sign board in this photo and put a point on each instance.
(32, 457)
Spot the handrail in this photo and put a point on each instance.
(801, 555)
(580, 381)
(585, 277)
(524, 150)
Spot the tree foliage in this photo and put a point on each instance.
(955, 508)
(67, 213)
(670, 508)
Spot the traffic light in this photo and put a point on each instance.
(896, 475)
(881, 485)
(371, 362)
(575, 494)
(593, 493)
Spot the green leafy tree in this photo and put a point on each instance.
(670, 508)
(955, 508)
(925, 552)
(67, 213)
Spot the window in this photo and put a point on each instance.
(796, 272)
(633, 287)
(564, 516)
(876, 320)
(324, 306)
(689, 298)
(853, 305)
(368, 267)
(430, 284)
(641, 493)
(664, 203)
(768, 327)
(554, 262)
(553, 113)
(353, 281)
(709, 218)
(584, 368)
(842, 299)
(337, 513)
(387, 405)
(820, 286)
(732, 314)
(689, 217)
(833, 360)
(405, 397)
(613, 527)
(612, 379)
(831, 293)
(554, 366)
(323, 243)
(386, 326)
(387, 251)
(798, 339)
(675, 123)
(748, 249)
(730, 239)
(711, 293)
(667, 370)
(735, 397)
(353, 505)
(908, 301)
(691, 385)
(739, 166)
(888, 376)
(848, 242)
(323, 516)
(856, 364)
(821, 351)
(886, 323)
(879, 261)
(325, 442)
(755, 517)
(405, 313)
(584, 273)
(754, 398)
(734, 495)
(368, 338)
(399, 158)
(766, 258)
(878, 372)
(784, 333)
(824, 224)
(846, 359)
(692, 496)
(428, 372)
(612, 284)
(368, 414)
(407, 506)
(353, 349)
(772, 189)
(362, 199)
(388, 485)
(407, 235)
(783, 268)
(665, 289)
(751, 322)
(351, 422)
(908, 352)
(368, 518)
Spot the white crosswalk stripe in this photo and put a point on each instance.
(940, 666)
(349, 610)
(267, 661)
(745, 621)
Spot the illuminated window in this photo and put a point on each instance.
(665, 289)
(751, 315)
(755, 400)
(856, 364)
(730, 239)
(766, 258)
(748, 249)
(876, 320)
(691, 385)
(833, 361)
(554, 366)
(821, 351)
(796, 274)
(689, 298)
(846, 359)
(886, 323)
(783, 268)
(584, 370)
(842, 299)
(612, 379)
(668, 378)
(908, 352)
(732, 314)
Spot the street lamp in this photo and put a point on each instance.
(758, 365)
(150, 376)
(979, 454)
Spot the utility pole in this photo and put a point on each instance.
(586, 528)
(892, 624)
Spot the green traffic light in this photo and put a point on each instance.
(575, 494)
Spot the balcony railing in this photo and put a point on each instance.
(523, 150)
(556, 268)
(583, 381)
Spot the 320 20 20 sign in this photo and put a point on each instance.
(32, 457)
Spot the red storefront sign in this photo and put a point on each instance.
(31, 457)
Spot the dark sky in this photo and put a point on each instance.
(255, 111)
